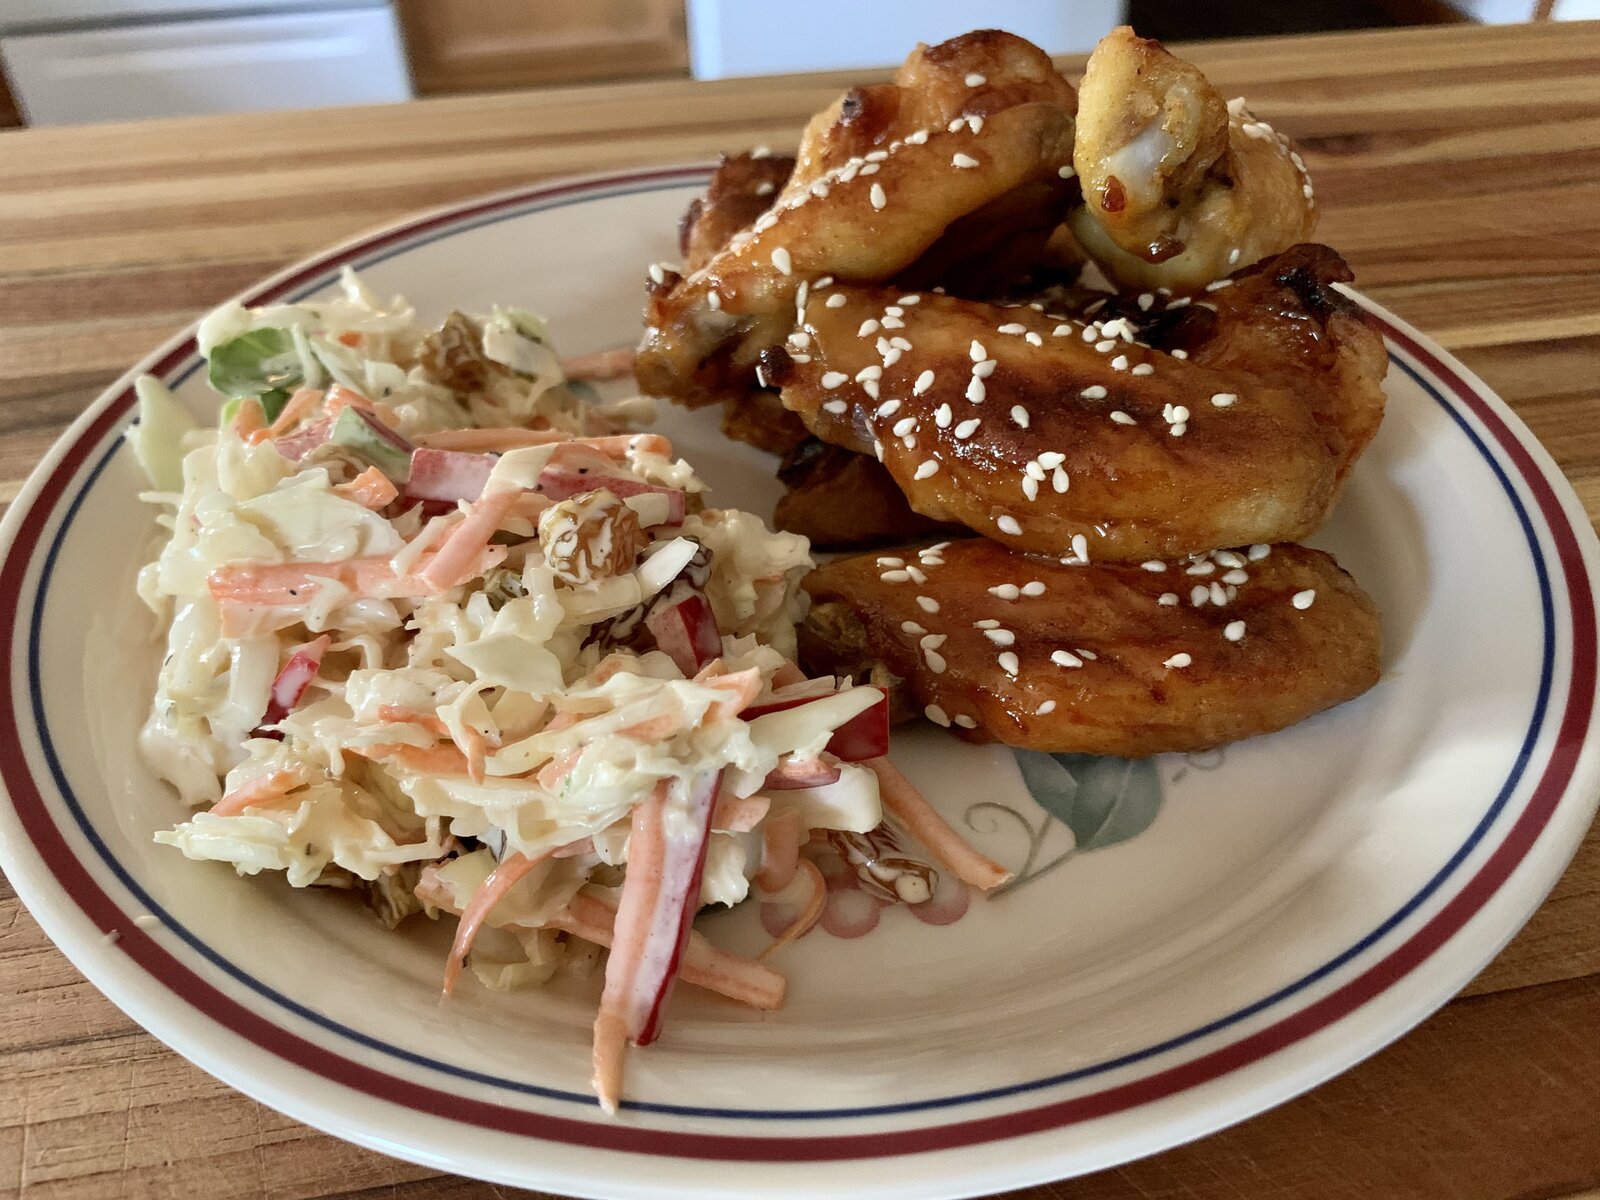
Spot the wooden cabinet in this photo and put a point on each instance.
(479, 45)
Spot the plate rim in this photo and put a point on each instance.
(91, 429)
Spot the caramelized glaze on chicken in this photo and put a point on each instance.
(742, 188)
(840, 500)
(1073, 439)
(983, 119)
(1179, 187)
(1101, 659)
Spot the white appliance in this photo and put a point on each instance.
(71, 61)
(776, 37)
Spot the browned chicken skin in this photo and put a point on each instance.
(841, 500)
(879, 179)
(1022, 650)
(742, 188)
(1011, 423)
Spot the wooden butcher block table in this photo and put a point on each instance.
(1458, 169)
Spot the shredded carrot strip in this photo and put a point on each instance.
(742, 687)
(494, 440)
(557, 769)
(296, 583)
(809, 915)
(780, 850)
(610, 665)
(742, 979)
(739, 814)
(641, 888)
(562, 720)
(350, 338)
(263, 790)
(249, 419)
(298, 406)
(340, 397)
(653, 729)
(907, 804)
(370, 489)
(488, 894)
(425, 760)
(400, 714)
(456, 561)
(602, 364)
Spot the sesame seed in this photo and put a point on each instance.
(761, 152)
(956, 125)
(761, 376)
(1233, 256)
(1030, 487)
(975, 390)
(1065, 658)
(1013, 327)
(892, 356)
(923, 383)
(918, 138)
(987, 622)
(975, 80)
(1052, 458)
(1045, 709)
(1179, 414)
(1006, 591)
(1303, 600)
(1033, 339)
(833, 379)
(1236, 576)
(1093, 392)
(868, 328)
(1199, 594)
(1122, 418)
(1168, 599)
(657, 275)
(909, 298)
(1259, 551)
(904, 426)
(837, 300)
(1227, 558)
(1105, 345)
(1144, 369)
(1201, 568)
(942, 416)
(781, 260)
(1219, 595)
(1218, 285)
(1008, 524)
(893, 323)
(870, 387)
(1154, 565)
(984, 369)
(1000, 637)
(1119, 363)
(928, 604)
(1019, 415)
(937, 715)
(899, 343)
(912, 627)
(1034, 587)
(967, 428)
(1008, 662)
(866, 373)
(888, 560)
(976, 352)
(1080, 546)
(1061, 331)
(897, 575)
(819, 189)
(965, 721)
(932, 641)
(926, 469)
(1034, 471)
(1223, 399)
(1178, 661)
(836, 407)
(883, 346)
(1180, 354)
(935, 661)
(877, 156)
(1145, 301)
(1066, 171)
(1059, 480)
(963, 161)
(1179, 429)
(715, 301)
(877, 449)
(1233, 631)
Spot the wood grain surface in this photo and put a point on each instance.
(1459, 170)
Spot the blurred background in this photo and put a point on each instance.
(70, 61)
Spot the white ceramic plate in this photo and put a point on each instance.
(1196, 938)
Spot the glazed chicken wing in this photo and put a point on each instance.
(742, 188)
(1103, 659)
(979, 120)
(1179, 187)
(840, 500)
(1074, 439)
